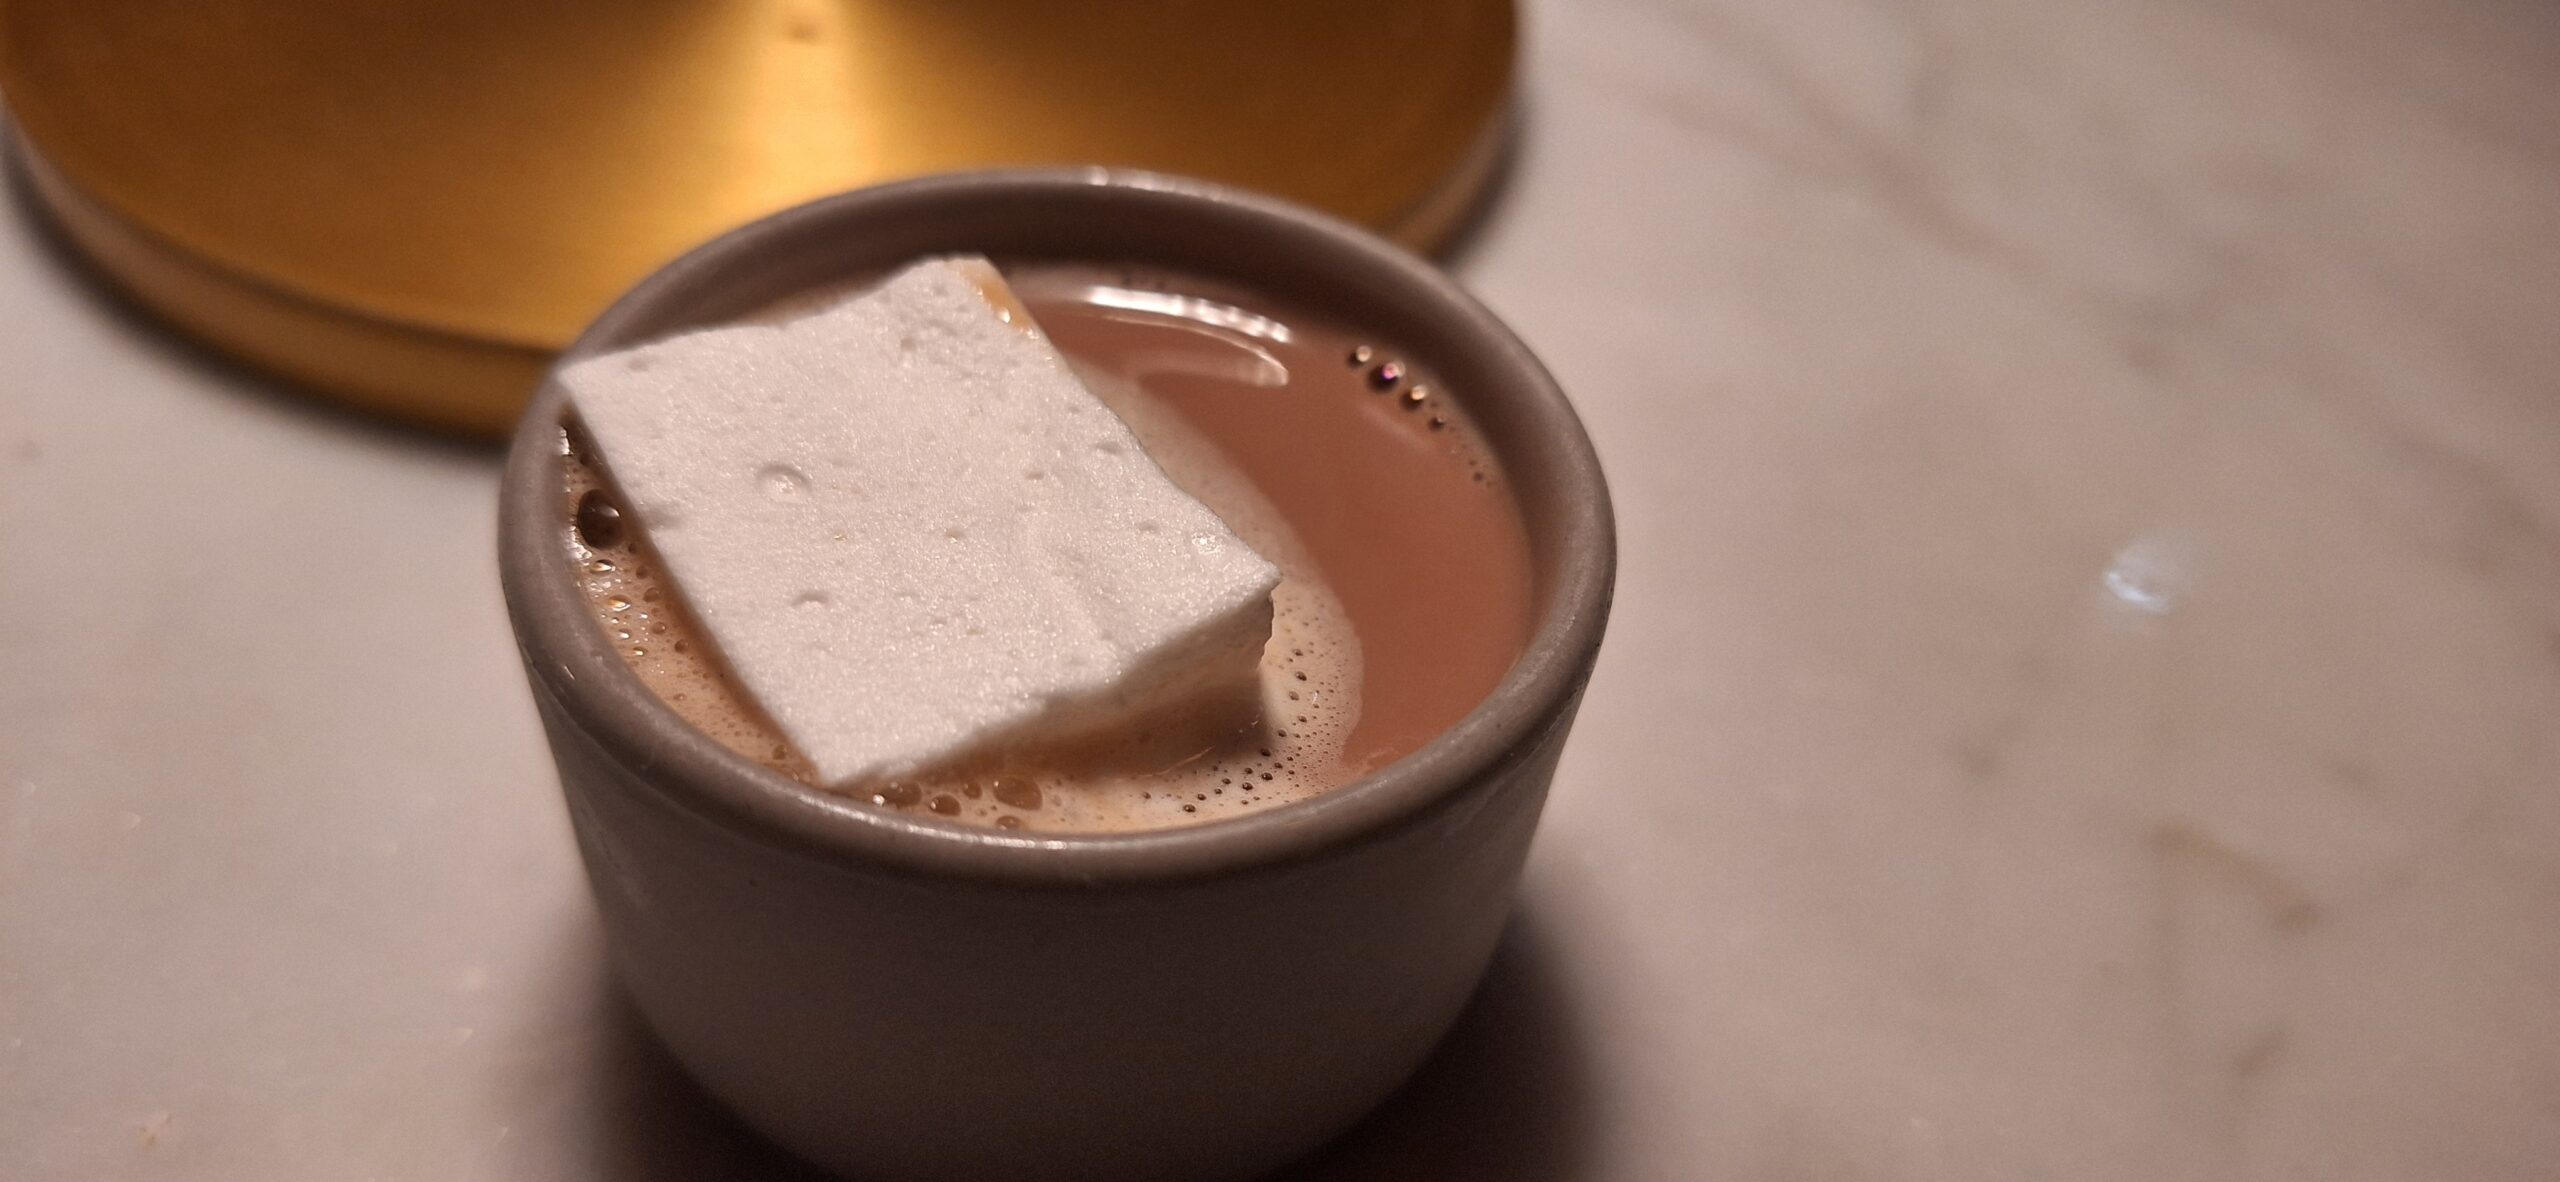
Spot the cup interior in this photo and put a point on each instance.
(1286, 252)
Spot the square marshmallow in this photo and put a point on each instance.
(912, 532)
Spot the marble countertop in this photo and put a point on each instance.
(2084, 703)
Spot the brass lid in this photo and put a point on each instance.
(412, 203)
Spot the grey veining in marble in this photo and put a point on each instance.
(2085, 701)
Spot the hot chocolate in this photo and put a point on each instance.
(1405, 595)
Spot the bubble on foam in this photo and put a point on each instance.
(782, 482)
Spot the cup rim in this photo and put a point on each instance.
(567, 657)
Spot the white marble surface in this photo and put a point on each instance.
(2083, 701)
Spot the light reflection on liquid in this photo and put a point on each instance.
(1246, 361)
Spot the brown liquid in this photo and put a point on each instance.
(1407, 592)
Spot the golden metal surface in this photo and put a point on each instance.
(409, 202)
(448, 382)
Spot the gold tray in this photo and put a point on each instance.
(410, 204)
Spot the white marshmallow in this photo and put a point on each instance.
(914, 535)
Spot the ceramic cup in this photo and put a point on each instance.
(895, 996)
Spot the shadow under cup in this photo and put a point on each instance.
(900, 997)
